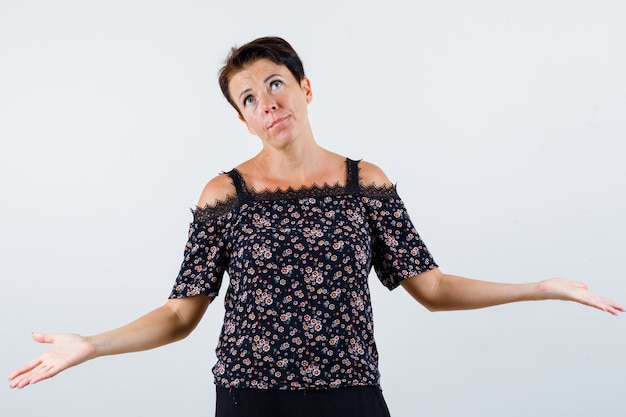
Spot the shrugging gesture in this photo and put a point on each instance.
(297, 229)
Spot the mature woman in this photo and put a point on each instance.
(297, 229)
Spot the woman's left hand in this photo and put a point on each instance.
(563, 289)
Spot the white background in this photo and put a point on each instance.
(503, 124)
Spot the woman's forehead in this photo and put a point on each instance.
(259, 68)
(257, 71)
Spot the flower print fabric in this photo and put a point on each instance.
(298, 312)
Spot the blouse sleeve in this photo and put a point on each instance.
(206, 257)
(398, 252)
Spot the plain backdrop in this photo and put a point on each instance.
(502, 123)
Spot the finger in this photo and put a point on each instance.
(24, 382)
(611, 310)
(617, 306)
(26, 368)
(45, 373)
(614, 308)
(611, 305)
(606, 305)
(37, 374)
(21, 382)
(42, 337)
(15, 382)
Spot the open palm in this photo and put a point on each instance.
(563, 289)
(67, 350)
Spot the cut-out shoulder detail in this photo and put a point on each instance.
(216, 191)
(372, 175)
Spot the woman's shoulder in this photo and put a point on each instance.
(372, 175)
(219, 189)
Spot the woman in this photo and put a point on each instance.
(297, 228)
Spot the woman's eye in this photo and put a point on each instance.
(248, 100)
(275, 84)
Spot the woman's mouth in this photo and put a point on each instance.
(276, 122)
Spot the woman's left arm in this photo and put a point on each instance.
(441, 292)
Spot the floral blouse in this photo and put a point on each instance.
(298, 312)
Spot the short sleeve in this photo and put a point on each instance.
(398, 252)
(206, 257)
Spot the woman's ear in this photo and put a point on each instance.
(305, 84)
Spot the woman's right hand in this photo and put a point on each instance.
(67, 350)
(171, 322)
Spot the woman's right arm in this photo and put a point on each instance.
(169, 323)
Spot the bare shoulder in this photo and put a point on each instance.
(217, 189)
(373, 175)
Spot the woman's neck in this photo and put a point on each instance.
(295, 168)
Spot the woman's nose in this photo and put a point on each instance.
(268, 103)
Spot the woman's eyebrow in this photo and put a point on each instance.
(265, 80)
(268, 77)
(244, 92)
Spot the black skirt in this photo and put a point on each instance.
(359, 401)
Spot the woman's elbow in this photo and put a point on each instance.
(424, 289)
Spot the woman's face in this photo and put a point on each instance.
(272, 103)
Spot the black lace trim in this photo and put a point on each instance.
(296, 193)
(201, 214)
(375, 191)
(220, 207)
(320, 191)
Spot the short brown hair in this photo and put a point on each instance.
(276, 49)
